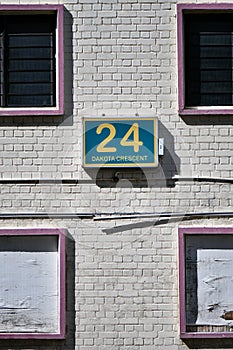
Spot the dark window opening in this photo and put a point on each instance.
(208, 59)
(27, 61)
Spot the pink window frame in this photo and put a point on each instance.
(61, 235)
(181, 10)
(183, 232)
(59, 108)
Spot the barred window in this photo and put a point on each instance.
(208, 57)
(30, 69)
(205, 53)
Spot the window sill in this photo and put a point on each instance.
(222, 110)
(31, 111)
(205, 335)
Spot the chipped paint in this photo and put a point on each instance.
(228, 315)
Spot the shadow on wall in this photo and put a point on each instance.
(161, 176)
(208, 119)
(69, 342)
(67, 118)
(208, 343)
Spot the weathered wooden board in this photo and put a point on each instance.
(214, 286)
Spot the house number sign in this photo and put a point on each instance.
(120, 142)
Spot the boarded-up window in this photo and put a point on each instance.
(206, 282)
(32, 283)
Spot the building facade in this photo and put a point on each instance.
(143, 245)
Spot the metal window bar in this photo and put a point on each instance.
(209, 60)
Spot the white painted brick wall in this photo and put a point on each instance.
(120, 59)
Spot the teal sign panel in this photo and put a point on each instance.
(120, 142)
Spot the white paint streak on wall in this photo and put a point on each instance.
(29, 292)
(214, 286)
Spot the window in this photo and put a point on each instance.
(206, 282)
(205, 53)
(32, 285)
(31, 59)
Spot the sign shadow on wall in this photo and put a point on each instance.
(139, 176)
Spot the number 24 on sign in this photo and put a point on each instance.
(125, 142)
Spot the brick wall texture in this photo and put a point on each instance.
(122, 274)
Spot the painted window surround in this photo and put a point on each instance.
(183, 232)
(61, 236)
(192, 8)
(59, 109)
